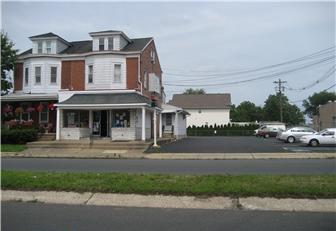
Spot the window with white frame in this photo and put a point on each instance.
(25, 116)
(110, 43)
(53, 74)
(101, 44)
(48, 47)
(39, 47)
(26, 75)
(117, 73)
(145, 79)
(90, 74)
(38, 75)
(44, 114)
(153, 57)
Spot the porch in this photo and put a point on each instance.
(116, 117)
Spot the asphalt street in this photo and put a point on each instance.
(288, 166)
(236, 144)
(18, 216)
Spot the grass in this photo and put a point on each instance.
(12, 147)
(281, 186)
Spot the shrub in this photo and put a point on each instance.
(18, 136)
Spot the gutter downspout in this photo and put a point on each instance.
(139, 75)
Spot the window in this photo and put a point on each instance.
(110, 43)
(53, 74)
(76, 119)
(26, 75)
(168, 119)
(145, 79)
(48, 47)
(101, 44)
(25, 116)
(90, 74)
(117, 73)
(121, 119)
(153, 57)
(37, 75)
(39, 47)
(44, 114)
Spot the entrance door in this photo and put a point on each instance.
(96, 123)
(104, 118)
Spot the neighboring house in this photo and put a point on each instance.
(326, 117)
(207, 109)
(174, 121)
(103, 87)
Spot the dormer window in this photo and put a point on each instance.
(39, 47)
(48, 47)
(110, 43)
(101, 44)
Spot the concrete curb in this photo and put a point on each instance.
(117, 154)
(161, 201)
(239, 156)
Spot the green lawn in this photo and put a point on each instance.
(295, 186)
(12, 147)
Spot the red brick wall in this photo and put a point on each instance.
(73, 75)
(146, 64)
(18, 76)
(132, 73)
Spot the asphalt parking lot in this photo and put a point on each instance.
(236, 144)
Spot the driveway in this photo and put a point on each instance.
(235, 144)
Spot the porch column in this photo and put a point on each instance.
(160, 121)
(143, 124)
(155, 127)
(58, 123)
(176, 126)
(90, 119)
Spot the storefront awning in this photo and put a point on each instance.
(105, 101)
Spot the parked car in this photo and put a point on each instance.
(324, 137)
(294, 134)
(278, 126)
(267, 132)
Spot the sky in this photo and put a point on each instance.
(201, 43)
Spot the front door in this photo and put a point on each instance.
(100, 123)
(96, 123)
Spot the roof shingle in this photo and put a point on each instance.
(207, 101)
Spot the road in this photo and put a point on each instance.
(236, 144)
(305, 166)
(17, 216)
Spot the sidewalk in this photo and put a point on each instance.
(160, 201)
(136, 154)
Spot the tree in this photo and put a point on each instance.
(8, 57)
(311, 105)
(246, 112)
(191, 91)
(291, 113)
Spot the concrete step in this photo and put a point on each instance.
(94, 145)
(47, 137)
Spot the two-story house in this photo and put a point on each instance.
(103, 87)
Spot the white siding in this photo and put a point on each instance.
(60, 46)
(154, 83)
(210, 116)
(122, 43)
(45, 86)
(74, 133)
(138, 120)
(103, 72)
(182, 126)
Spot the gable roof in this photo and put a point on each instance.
(207, 101)
(46, 35)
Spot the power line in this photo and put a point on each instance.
(313, 55)
(330, 87)
(324, 77)
(254, 79)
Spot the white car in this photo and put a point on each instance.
(294, 134)
(324, 137)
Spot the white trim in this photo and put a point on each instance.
(100, 105)
(147, 45)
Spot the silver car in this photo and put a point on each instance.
(294, 134)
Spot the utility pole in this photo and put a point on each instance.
(280, 88)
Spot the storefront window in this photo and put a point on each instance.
(76, 119)
(121, 119)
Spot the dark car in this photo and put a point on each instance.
(268, 132)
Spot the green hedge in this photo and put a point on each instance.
(222, 130)
(18, 136)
